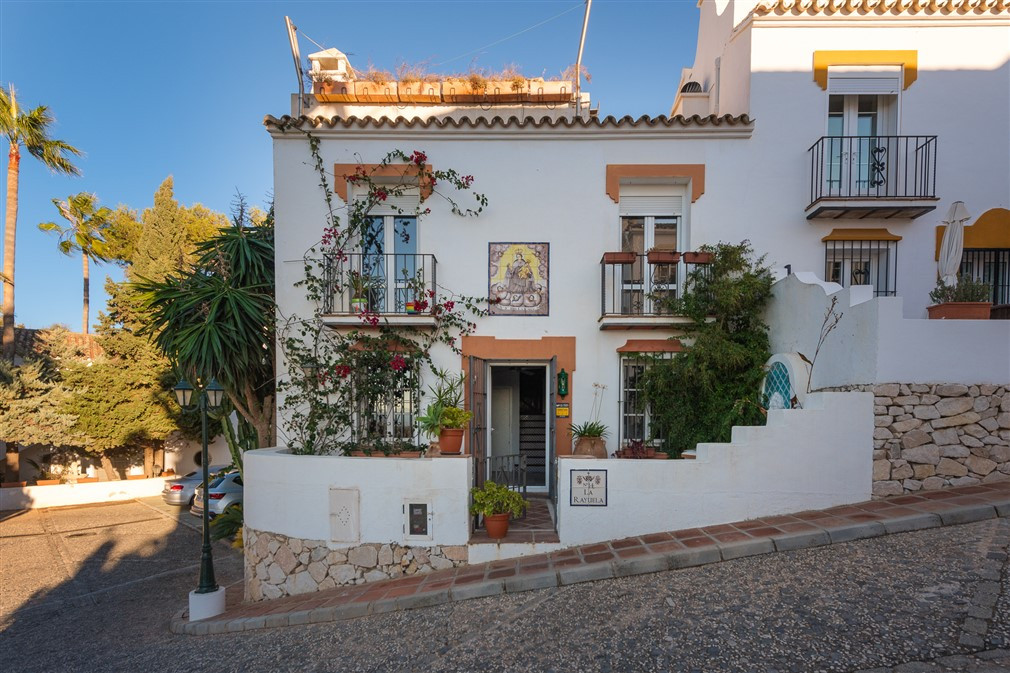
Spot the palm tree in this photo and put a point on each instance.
(30, 130)
(86, 234)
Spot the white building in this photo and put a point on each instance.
(832, 135)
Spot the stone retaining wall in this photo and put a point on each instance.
(277, 565)
(932, 436)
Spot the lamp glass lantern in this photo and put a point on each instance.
(183, 393)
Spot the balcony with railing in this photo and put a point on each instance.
(856, 177)
(635, 289)
(391, 286)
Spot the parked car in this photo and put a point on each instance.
(225, 491)
(180, 491)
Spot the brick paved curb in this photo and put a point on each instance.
(620, 558)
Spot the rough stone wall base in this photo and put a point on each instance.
(277, 565)
(928, 436)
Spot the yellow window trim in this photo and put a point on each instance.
(861, 235)
(908, 59)
(990, 230)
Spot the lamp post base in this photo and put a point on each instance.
(202, 606)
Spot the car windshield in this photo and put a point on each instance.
(191, 474)
(216, 482)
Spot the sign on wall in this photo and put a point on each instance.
(562, 410)
(518, 278)
(589, 488)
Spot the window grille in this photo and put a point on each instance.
(636, 417)
(992, 266)
(873, 263)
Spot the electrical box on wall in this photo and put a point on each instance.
(417, 520)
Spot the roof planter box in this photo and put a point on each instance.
(619, 258)
(697, 257)
(372, 92)
(507, 91)
(663, 256)
(420, 92)
(554, 91)
(334, 92)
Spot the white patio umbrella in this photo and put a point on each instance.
(953, 243)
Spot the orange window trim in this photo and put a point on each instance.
(990, 230)
(861, 235)
(617, 172)
(342, 171)
(908, 59)
(651, 346)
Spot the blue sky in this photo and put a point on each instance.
(151, 89)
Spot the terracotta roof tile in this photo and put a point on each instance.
(879, 7)
(512, 121)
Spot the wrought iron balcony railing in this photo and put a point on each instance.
(390, 284)
(641, 285)
(873, 167)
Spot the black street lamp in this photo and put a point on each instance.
(209, 400)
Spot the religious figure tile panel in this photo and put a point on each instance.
(518, 278)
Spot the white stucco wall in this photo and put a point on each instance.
(810, 458)
(62, 495)
(290, 494)
(875, 343)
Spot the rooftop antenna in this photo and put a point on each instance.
(293, 39)
(578, 61)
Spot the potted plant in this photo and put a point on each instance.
(451, 425)
(468, 88)
(497, 504)
(430, 423)
(967, 300)
(637, 448)
(590, 439)
(359, 291)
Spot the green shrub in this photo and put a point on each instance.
(699, 395)
(454, 417)
(967, 289)
(589, 429)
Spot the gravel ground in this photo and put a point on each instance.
(897, 604)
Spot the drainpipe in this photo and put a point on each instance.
(578, 61)
(718, 84)
(298, 62)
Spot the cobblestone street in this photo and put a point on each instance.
(933, 600)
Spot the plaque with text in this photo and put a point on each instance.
(562, 410)
(589, 488)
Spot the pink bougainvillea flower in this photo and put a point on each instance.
(380, 194)
(343, 371)
(398, 363)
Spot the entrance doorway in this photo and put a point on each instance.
(519, 420)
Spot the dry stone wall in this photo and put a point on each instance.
(277, 565)
(932, 436)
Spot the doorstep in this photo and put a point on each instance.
(638, 555)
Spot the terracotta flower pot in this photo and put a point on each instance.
(591, 446)
(450, 440)
(136, 476)
(619, 258)
(698, 257)
(960, 310)
(13, 484)
(87, 480)
(47, 482)
(497, 525)
(663, 256)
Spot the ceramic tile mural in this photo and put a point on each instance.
(518, 278)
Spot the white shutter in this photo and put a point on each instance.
(407, 203)
(651, 205)
(880, 80)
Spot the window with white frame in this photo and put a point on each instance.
(651, 219)
(636, 416)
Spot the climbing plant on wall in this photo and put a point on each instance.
(358, 388)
